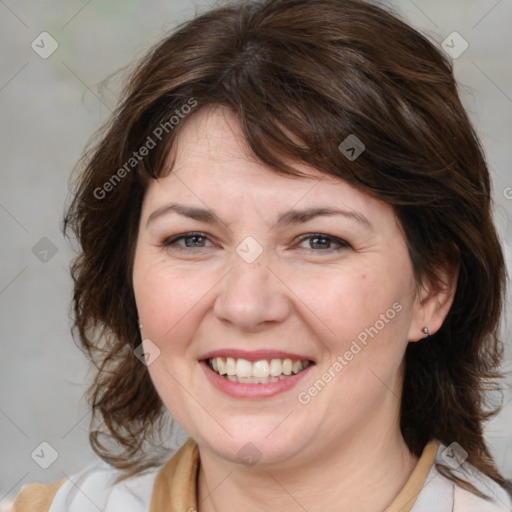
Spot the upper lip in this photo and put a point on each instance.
(254, 355)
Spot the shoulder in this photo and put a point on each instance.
(95, 488)
(36, 497)
(464, 500)
(447, 496)
(90, 490)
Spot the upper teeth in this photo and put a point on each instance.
(259, 369)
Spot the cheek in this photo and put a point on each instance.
(166, 299)
(359, 315)
(363, 329)
(344, 303)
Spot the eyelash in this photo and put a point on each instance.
(173, 241)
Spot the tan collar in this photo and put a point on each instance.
(175, 487)
(407, 496)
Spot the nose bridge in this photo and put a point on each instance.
(250, 294)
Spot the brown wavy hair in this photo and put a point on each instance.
(301, 76)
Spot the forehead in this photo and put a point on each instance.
(212, 165)
(213, 135)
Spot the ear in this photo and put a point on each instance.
(433, 301)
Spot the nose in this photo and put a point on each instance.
(252, 297)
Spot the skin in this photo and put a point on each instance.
(343, 450)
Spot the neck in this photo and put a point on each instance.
(357, 474)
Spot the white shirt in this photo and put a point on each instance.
(94, 490)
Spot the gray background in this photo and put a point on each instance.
(50, 107)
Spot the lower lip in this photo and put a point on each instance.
(242, 390)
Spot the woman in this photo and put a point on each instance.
(286, 243)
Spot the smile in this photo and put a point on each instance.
(256, 372)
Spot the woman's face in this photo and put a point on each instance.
(233, 269)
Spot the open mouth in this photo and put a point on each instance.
(256, 372)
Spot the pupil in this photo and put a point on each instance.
(190, 241)
(315, 239)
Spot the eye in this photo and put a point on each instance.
(320, 242)
(192, 241)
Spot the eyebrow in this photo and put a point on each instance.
(286, 218)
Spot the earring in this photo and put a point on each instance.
(425, 331)
(140, 326)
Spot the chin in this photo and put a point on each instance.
(250, 447)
